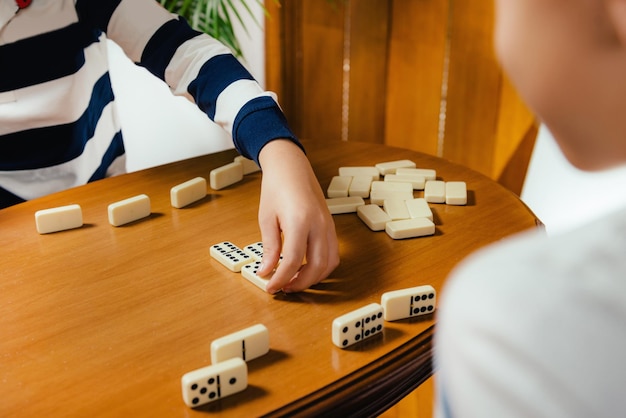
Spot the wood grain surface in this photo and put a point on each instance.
(104, 321)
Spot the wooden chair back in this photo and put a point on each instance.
(417, 74)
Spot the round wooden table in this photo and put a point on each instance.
(104, 321)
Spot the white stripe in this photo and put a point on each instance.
(117, 167)
(7, 97)
(187, 61)
(55, 102)
(134, 22)
(7, 12)
(41, 16)
(233, 98)
(29, 184)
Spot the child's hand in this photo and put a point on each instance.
(293, 204)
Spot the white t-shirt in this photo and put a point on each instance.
(535, 326)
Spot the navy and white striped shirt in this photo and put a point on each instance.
(58, 121)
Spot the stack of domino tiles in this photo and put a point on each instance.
(392, 206)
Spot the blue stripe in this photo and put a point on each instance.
(116, 149)
(44, 57)
(215, 75)
(49, 146)
(163, 45)
(97, 13)
(8, 199)
(257, 123)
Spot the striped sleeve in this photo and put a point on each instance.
(58, 124)
(195, 66)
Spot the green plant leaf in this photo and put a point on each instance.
(213, 17)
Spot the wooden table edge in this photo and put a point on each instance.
(372, 389)
(376, 386)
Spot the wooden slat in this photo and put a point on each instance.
(322, 29)
(416, 60)
(397, 54)
(514, 172)
(274, 48)
(473, 86)
(514, 119)
(310, 65)
(366, 52)
(283, 40)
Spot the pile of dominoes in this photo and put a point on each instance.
(392, 206)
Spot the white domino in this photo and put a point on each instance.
(373, 216)
(382, 190)
(255, 250)
(248, 165)
(355, 326)
(226, 175)
(188, 192)
(435, 191)
(214, 382)
(390, 167)
(129, 210)
(58, 219)
(419, 208)
(456, 193)
(339, 205)
(410, 228)
(427, 173)
(247, 344)
(360, 186)
(230, 256)
(396, 209)
(407, 303)
(386, 186)
(416, 180)
(360, 171)
(339, 186)
(249, 271)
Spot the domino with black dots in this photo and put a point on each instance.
(255, 250)
(407, 303)
(230, 256)
(356, 326)
(249, 272)
(214, 382)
